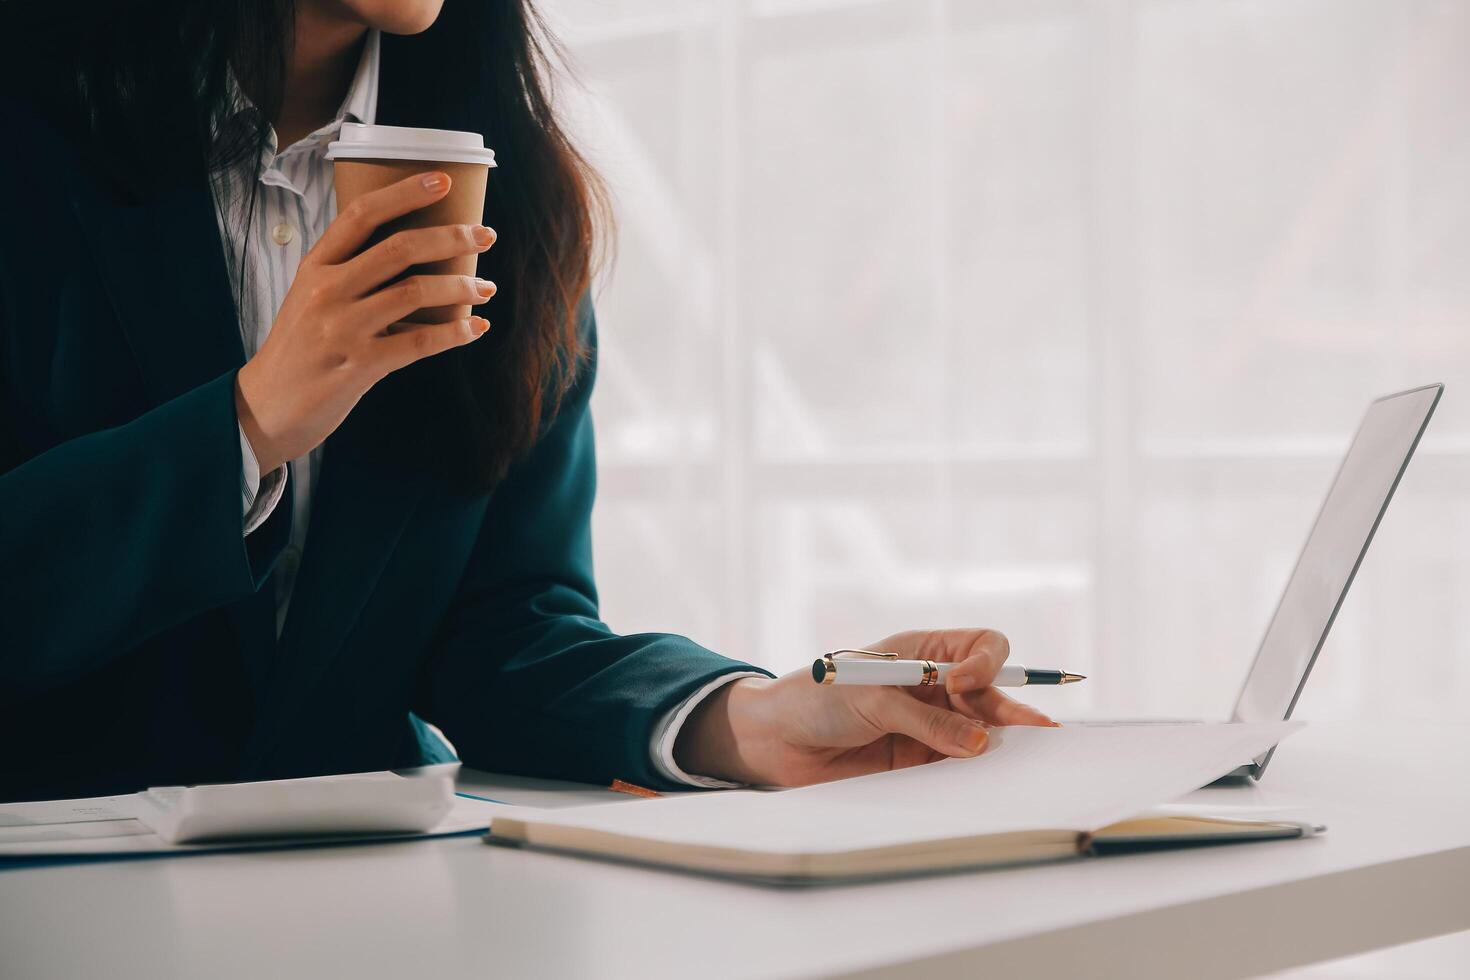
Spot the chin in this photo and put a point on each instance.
(397, 16)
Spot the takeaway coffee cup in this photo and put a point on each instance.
(365, 158)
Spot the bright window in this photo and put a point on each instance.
(1051, 316)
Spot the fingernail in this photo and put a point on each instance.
(479, 325)
(435, 182)
(975, 739)
(484, 236)
(485, 287)
(960, 683)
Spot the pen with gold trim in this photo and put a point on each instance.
(872, 668)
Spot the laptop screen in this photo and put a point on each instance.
(1355, 503)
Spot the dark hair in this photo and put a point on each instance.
(149, 78)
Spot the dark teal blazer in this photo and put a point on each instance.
(137, 630)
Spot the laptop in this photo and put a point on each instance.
(1356, 502)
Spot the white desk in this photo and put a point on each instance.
(1394, 867)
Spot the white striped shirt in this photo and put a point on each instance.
(294, 203)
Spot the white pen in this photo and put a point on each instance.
(872, 668)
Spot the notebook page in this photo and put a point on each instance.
(1075, 779)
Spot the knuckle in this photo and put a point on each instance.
(874, 712)
(936, 727)
(315, 290)
(395, 247)
(357, 212)
(412, 289)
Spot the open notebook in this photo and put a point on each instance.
(1036, 794)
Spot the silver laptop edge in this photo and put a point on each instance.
(1260, 669)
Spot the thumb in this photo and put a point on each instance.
(946, 732)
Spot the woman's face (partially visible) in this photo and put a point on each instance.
(389, 16)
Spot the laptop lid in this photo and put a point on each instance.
(1355, 503)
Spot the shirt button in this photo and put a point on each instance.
(282, 234)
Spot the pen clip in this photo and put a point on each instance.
(866, 653)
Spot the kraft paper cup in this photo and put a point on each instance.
(365, 158)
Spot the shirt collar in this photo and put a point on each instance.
(361, 104)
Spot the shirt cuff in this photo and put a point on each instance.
(666, 733)
(258, 494)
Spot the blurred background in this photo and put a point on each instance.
(1049, 315)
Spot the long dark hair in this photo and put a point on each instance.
(148, 79)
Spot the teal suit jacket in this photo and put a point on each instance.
(137, 634)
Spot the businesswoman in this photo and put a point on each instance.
(254, 526)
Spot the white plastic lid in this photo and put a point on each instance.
(361, 142)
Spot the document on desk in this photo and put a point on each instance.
(1035, 794)
(111, 825)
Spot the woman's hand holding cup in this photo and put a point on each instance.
(339, 330)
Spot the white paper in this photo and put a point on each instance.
(1069, 779)
(103, 825)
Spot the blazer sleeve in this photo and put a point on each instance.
(526, 678)
(110, 537)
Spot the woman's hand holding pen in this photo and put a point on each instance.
(338, 331)
(792, 732)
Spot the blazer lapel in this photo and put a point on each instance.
(163, 267)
